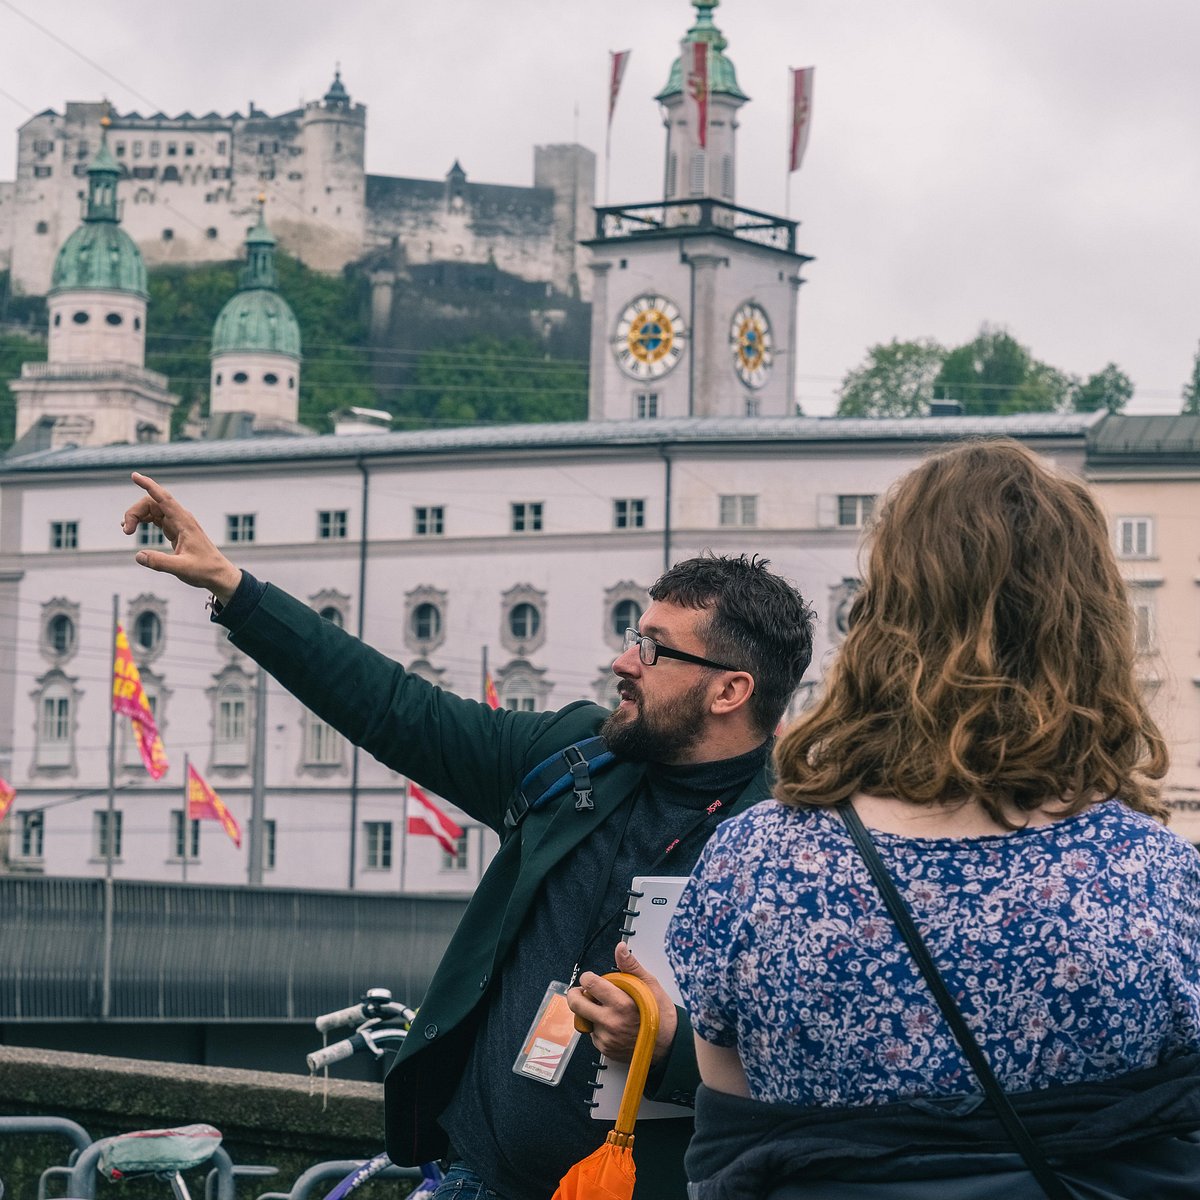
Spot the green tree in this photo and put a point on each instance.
(14, 350)
(895, 380)
(490, 380)
(994, 374)
(1110, 389)
(1191, 389)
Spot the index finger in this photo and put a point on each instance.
(155, 490)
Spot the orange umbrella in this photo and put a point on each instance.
(608, 1173)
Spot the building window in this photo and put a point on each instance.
(629, 514)
(43, 146)
(137, 149)
(270, 379)
(82, 317)
(322, 747)
(114, 318)
(54, 730)
(426, 622)
(672, 173)
(853, 512)
(220, 145)
(120, 149)
(527, 516)
(155, 149)
(727, 176)
(1144, 623)
(625, 615)
(738, 511)
(458, 860)
(185, 836)
(268, 828)
(645, 405)
(429, 520)
(696, 175)
(524, 621)
(172, 149)
(332, 523)
(41, 227)
(211, 233)
(60, 635)
(168, 235)
(43, 172)
(230, 729)
(147, 631)
(1135, 537)
(753, 406)
(333, 616)
(239, 527)
(150, 535)
(106, 834)
(379, 845)
(33, 834)
(189, 149)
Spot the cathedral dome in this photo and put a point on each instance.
(257, 319)
(722, 76)
(100, 255)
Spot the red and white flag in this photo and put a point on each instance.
(425, 819)
(205, 805)
(490, 694)
(802, 96)
(8, 794)
(694, 61)
(618, 60)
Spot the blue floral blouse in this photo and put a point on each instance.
(1072, 948)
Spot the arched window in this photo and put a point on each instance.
(625, 615)
(524, 621)
(55, 726)
(333, 616)
(147, 630)
(231, 727)
(60, 634)
(426, 622)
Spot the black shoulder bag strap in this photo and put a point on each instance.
(1028, 1148)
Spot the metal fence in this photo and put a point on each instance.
(180, 952)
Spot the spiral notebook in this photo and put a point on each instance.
(652, 903)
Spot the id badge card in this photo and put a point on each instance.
(551, 1039)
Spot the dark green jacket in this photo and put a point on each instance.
(475, 757)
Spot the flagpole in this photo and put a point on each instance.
(107, 948)
(404, 838)
(186, 823)
(112, 748)
(483, 676)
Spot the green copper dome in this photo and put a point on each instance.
(100, 255)
(722, 76)
(257, 319)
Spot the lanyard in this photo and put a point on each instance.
(606, 878)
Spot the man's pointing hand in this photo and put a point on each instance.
(194, 559)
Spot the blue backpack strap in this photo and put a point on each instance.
(571, 767)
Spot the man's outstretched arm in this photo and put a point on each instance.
(194, 558)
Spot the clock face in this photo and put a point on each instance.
(650, 337)
(751, 346)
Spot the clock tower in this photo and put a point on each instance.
(694, 298)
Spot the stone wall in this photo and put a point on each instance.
(281, 1120)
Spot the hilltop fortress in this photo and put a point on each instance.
(189, 186)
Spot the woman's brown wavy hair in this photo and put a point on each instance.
(989, 653)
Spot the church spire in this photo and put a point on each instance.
(259, 271)
(103, 174)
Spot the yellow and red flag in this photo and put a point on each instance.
(205, 805)
(618, 60)
(8, 794)
(427, 820)
(129, 699)
(489, 691)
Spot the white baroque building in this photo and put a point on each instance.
(530, 545)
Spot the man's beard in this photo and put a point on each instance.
(663, 737)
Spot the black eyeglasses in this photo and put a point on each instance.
(650, 651)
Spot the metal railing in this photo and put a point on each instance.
(183, 952)
(670, 217)
(125, 372)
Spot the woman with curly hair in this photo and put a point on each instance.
(983, 722)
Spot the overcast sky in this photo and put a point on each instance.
(1032, 164)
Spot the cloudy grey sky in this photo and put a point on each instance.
(1033, 164)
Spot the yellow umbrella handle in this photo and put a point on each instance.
(643, 1050)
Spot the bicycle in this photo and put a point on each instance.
(382, 1025)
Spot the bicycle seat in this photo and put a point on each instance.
(155, 1151)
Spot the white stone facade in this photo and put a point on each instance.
(267, 385)
(447, 578)
(190, 184)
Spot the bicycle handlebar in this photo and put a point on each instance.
(343, 1016)
(377, 1004)
(322, 1058)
